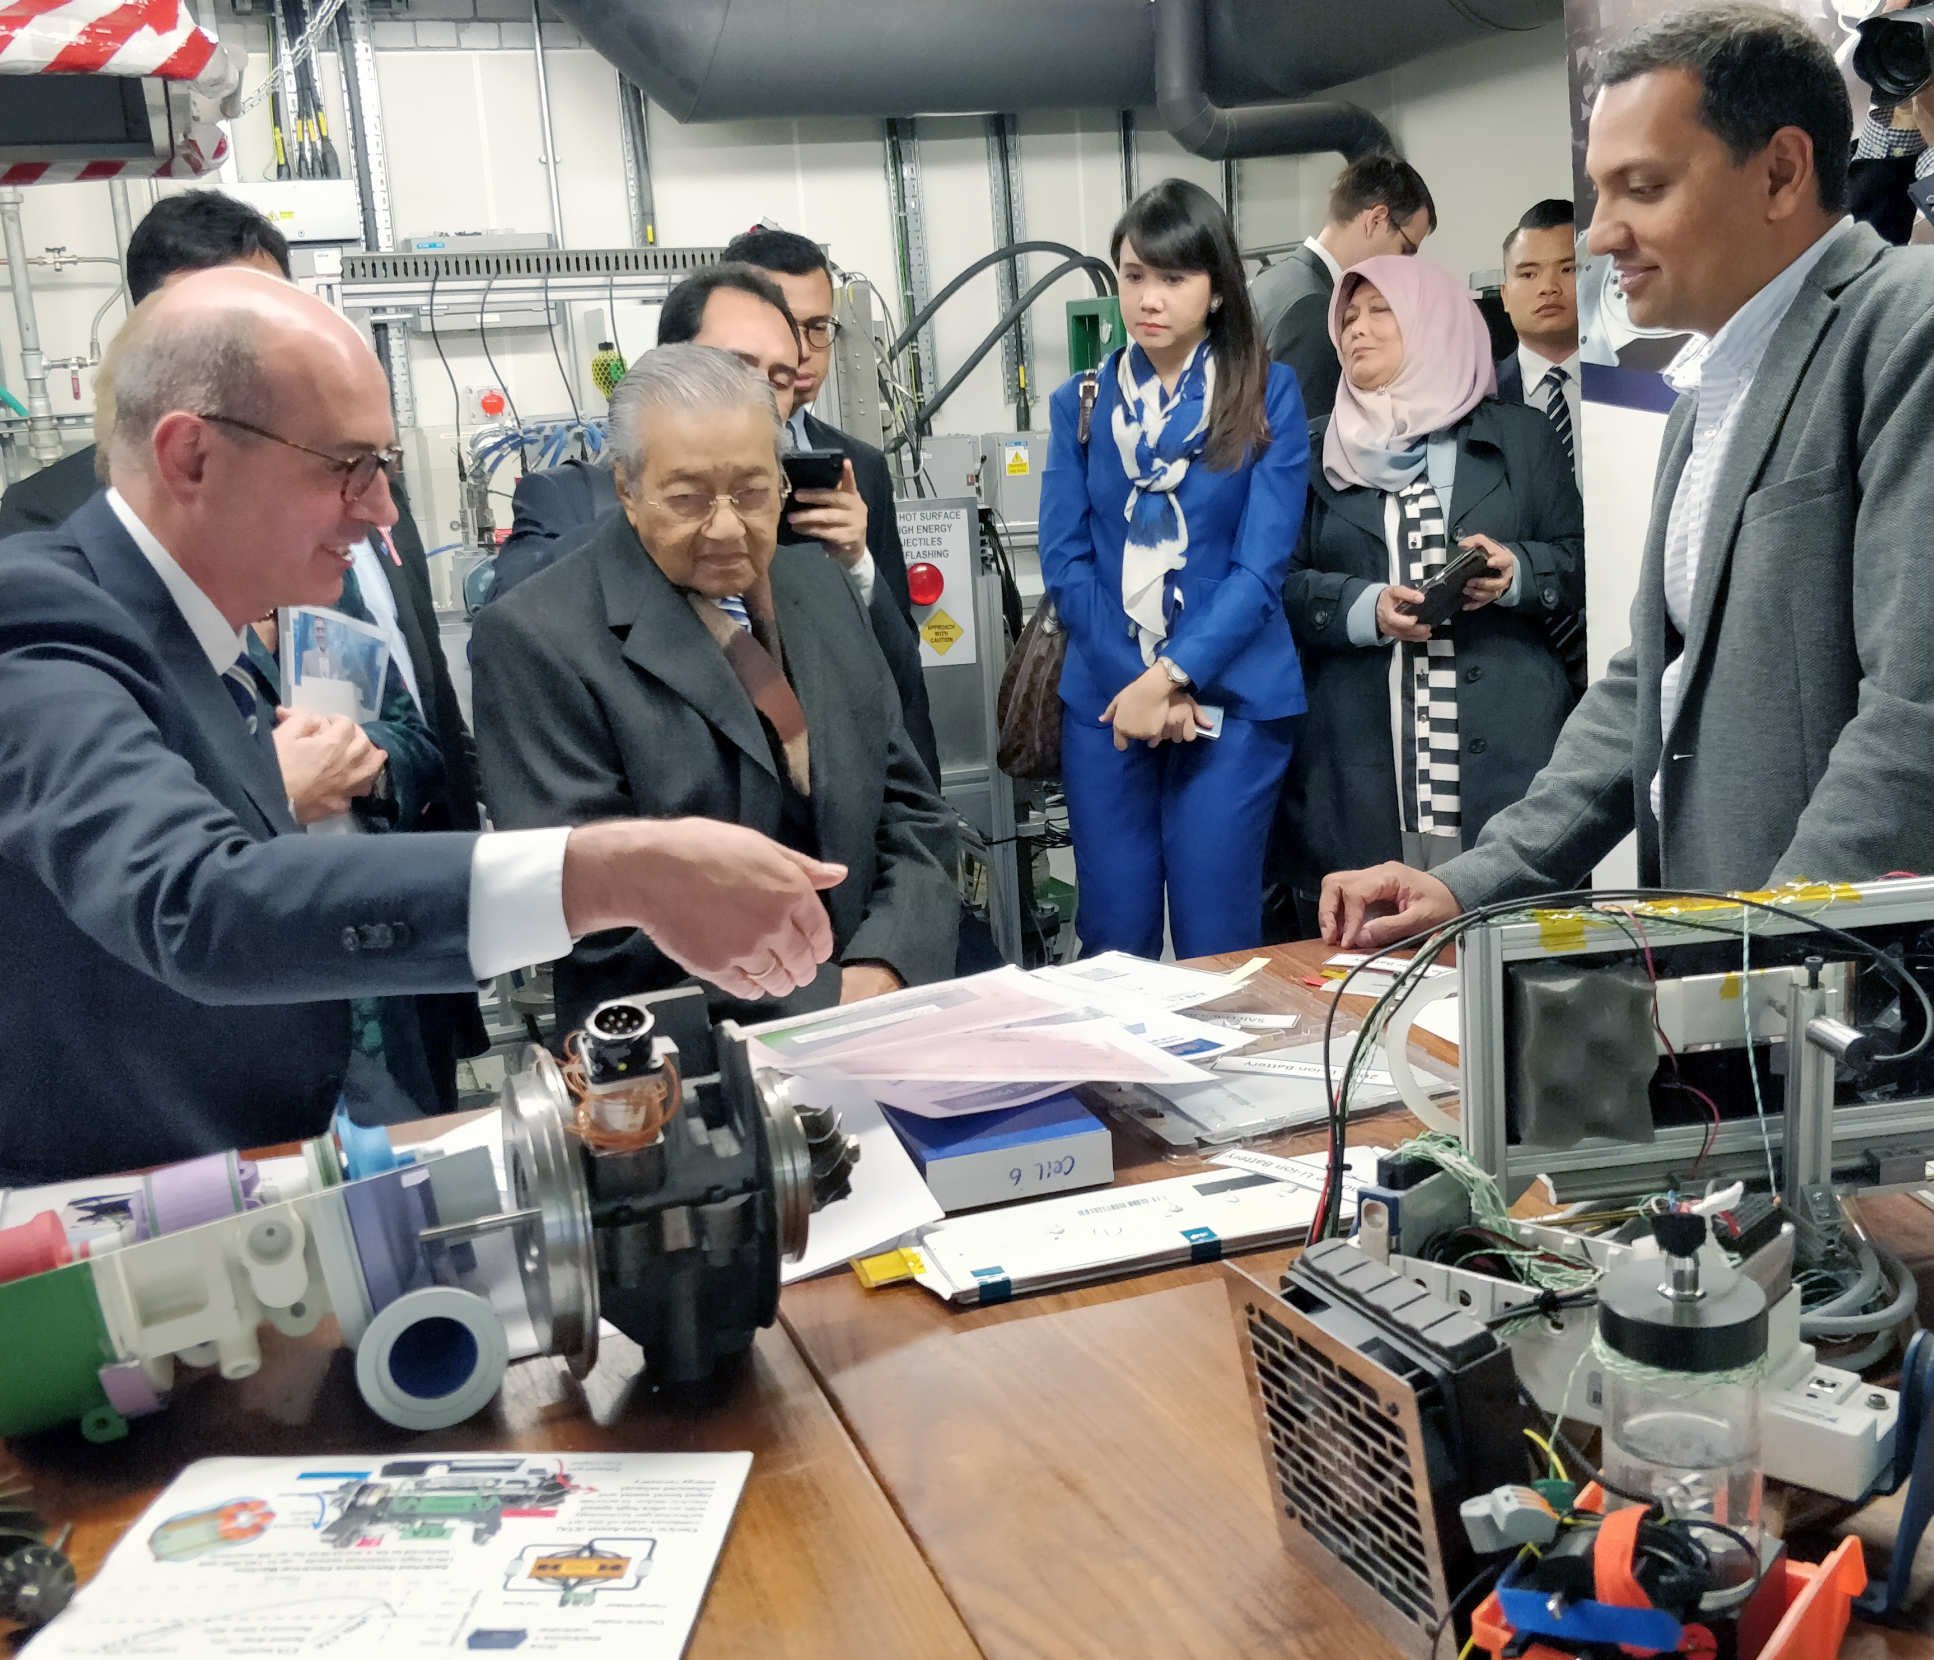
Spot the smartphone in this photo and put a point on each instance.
(1444, 593)
(814, 469)
(810, 470)
(1210, 725)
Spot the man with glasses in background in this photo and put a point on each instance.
(680, 661)
(798, 265)
(1378, 205)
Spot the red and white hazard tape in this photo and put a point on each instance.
(138, 38)
(102, 37)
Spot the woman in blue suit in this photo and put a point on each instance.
(1167, 521)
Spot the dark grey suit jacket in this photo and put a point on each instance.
(557, 511)
(41, 500)
(186, 951)
(1292, 299)
(599, 694)
(1804, 741)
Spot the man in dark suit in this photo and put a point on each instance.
(1541, 299)
(1378, 205)
(742, 311)
(680, 660)
(798, 265)
(324, 768)
(191, 954)
(1773, 717)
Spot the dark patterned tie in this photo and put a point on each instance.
(240, 679)
(1558, 410)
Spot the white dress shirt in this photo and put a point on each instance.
(1718, 373)
(1534, 367)
(373, 580)
(861, 572)
(516, 876)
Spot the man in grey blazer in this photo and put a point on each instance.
(679, 662)
(1378, 205)
(1773, 716)
(187, 953)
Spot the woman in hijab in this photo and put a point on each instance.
(1417, 735)
(1168, 512)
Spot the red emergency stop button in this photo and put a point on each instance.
(924, 583)
(492, 404)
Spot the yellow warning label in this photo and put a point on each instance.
(941, 632)
(1017, 466)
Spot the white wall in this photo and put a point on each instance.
(1485, 122)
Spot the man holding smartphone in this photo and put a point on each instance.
(798, 266)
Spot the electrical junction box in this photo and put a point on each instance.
(1011, 464)
(460, 312)
(950, 463)
(987, 1158)
(306, 210)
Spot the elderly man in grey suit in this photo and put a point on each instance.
(678, 661)
(1378, 205)
(1773, 716)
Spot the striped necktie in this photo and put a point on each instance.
(240, 684)
(1558, 409)
(733, 605)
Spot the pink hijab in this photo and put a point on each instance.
(1376, 439)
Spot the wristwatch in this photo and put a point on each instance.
(1177, 676)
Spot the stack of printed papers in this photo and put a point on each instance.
(999, 1040)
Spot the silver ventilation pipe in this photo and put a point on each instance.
(1206, 128)
(1223, 67)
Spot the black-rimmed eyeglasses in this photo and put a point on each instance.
(358, 473)
(820, 332)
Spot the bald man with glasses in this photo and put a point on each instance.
(192, 957)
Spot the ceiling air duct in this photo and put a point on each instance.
(1220, 70)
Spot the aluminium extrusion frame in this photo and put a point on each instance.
(1598, 1168)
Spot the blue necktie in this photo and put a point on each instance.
(733, 605)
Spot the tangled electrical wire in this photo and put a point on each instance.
(1586, 906)
(1667, 1559)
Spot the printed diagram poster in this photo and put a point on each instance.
(394, 1558)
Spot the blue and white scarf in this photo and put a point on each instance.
(1158, 435)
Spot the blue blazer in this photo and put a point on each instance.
(187, 953)
(1231, 637)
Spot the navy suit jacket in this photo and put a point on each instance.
(452, 1026)
(186, 951)
(41, 500)
(556, 511)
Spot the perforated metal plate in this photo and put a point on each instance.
(1343, 1442)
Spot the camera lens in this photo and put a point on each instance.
(1893, 58)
